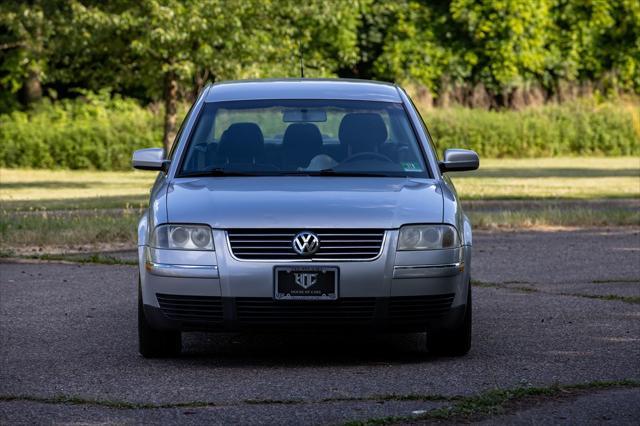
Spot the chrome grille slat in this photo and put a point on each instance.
(334, 234)
(347, 244)
(266, 235)
(261, 241)
(351, 247)
(255, 247)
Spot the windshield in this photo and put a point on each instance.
(303, 137)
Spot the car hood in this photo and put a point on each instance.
(304, 202)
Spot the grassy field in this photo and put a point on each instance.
(551, 178)
(22, 189)
(547, 178)
(79, 209)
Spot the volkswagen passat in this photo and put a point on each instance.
(304, 205)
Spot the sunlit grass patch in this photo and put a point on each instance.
(556, 178)
(68, 230)
(554, 217)
(41, 208)
(22, 189)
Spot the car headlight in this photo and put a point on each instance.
(183, 237)
(427, 237)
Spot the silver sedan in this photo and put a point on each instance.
(304, 206)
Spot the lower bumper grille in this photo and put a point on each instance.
(350, 311)
(191, 309)
(418, 309)
(216, 313)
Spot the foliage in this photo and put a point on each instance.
(504, 45)
(577, 128)
(94, 131)
(27, 41)
(493, 49)
(596, 40)
(171, 47)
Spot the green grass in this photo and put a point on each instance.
(104, 207)
(551, 178)
(24, 189)
(546, 178)
(613, 297)
(93, 258)
(554, 217)
(634, 300)
(495, 402)
(465, 407)
(70, 230)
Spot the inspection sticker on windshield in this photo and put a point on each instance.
(410, 167)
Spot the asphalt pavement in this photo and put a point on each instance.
(550, 308)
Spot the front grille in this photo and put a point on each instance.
(342, 312)
(418, 309)
(277, 244)
(191, 309)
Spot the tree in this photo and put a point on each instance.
(508, 38)
(171, 44)
(26, 39)
(164, 42)
(595, 41)
(414, 45)
(168, 49)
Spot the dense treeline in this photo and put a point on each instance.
(491, 54)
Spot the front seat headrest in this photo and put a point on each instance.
(241, 143)
(300, 143)
(362, 132)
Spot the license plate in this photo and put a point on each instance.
(306, 283)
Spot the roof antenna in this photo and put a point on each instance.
(301, 59)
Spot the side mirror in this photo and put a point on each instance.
(459, 160)
(149, 159)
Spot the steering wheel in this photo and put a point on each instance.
(367, 155)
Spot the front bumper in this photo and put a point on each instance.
(215, 291)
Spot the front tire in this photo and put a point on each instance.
(455, 342)
(156, 343)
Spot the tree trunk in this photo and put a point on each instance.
(199, 81)
(170, 102)
(32, 88)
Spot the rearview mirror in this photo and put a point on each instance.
(149, 159)
(459, 160)
(304, 116)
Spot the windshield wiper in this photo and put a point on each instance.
(332, 172)
(324, 172)
(217, 172)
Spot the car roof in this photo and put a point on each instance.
(346, 89)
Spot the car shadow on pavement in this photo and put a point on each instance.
(303, 349)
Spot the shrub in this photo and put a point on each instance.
(95, 132)
(99, 132)
(577, 128)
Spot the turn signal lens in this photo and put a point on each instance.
(183, 237)
(427, 237)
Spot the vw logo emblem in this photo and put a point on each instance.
(306, 243)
